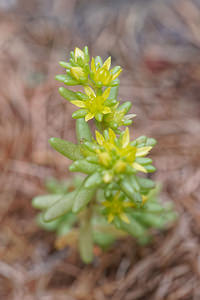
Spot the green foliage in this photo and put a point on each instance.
(111, 199)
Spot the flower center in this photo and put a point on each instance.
(95, 104)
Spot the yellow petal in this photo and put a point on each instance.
(116, 197)
(106, 110)
(107, 63)
(89, 116)
(120, 166)
(100, 139)
(144, 199)
(107, 177)
(138, 167)
(78, 103)
(111, 135)
(124, 218)
(116, 74)
(89, 92)
(104, 76)
(130, 116)
(110, 218)
(104, 158)
(106, 203)
(77, 72)
(128, 204)
(93, 67)
(125, 138)
(143, 151)
(78, 53)
(106, 93)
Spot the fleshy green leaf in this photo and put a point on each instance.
(134, 182)
(86, 242)
(127, 122)
(66, 224)
(151, 142)
(67, 94)
(114, 83)
(113, 92)
(65, 64)
(86, 51)
(104, 240)
(50, 226)
(150, 219)
(150, 168)
(83, 132)
(128, 189)
(45, 201)
(83, 166)
(78, 180)
(141, 140)
(145, 183)
(60, 208)
(54, 186)
(67, 79)
(143, 160)
(134, 228)
(98, 61)
(80, 113)
(93, 159)
(126, 106)
(82, 197)
(91, 146)
(115, 70)
(154, 207)
(99, 117)
(61, 77)
(66, 148)
(94, 180)
(63, 229)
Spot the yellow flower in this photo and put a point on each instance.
(80, 57)
(78, 53)
(94, 106)
(102, 75)
(144, 199)
(117, 154)
(78, 73)
(116, 207)
(118, 118)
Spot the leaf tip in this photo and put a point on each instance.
(52, 141)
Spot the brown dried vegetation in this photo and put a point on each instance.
(166, 100)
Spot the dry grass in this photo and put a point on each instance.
(165, 95)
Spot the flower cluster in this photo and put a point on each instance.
(93, 106)
(77, 69)
(112, 198)
(117, 156)
(100, 86)
(116, 206)
(101, 74)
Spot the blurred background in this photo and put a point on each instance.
(157, 43)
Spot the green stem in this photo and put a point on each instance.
(86, 236)
(99, 126)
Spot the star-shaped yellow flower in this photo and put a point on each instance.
(78, 53)
(94, 105)
(102, 75)
(116, 154)
(115, 207)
